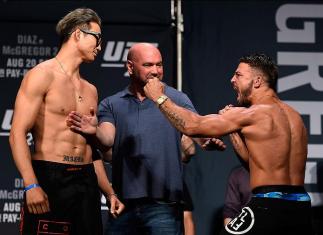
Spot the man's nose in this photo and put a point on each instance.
(99, 47)
(154, 70)
(232, 80)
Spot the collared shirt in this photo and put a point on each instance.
(146, 153)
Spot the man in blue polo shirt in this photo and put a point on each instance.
(147, 167)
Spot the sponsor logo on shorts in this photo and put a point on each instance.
(53, 227)
(242, 223)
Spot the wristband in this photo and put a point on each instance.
(31, 186)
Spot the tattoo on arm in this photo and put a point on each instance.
(173, 117)
(73, 158)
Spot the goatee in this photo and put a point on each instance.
(243, 101)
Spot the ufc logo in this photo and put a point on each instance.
(116, 52)
(6, 126)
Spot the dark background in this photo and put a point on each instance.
(216, 34)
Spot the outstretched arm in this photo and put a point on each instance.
(192, 124)
(103, 134)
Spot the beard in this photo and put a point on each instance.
(142, 81)
(243, 98)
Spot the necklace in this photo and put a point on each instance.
(79, 96)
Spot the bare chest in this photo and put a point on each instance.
(63, 97)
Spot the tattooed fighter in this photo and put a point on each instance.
(269, 135)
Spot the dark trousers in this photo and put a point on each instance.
(147, 217)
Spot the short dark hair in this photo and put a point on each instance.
(265, 64)
(80, 17)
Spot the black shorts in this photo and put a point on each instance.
(271, 216)
(74, 201)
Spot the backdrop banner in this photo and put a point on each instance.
(216, 35)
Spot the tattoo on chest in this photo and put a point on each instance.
(73, 158)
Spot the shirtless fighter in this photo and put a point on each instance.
(269, 135)
(61, 180)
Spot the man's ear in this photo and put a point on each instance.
(76, 35)
(129, 67)
(258, 81)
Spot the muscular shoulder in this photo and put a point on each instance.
(261, 114)
(293, 116)
(245, 114)
(260, 110)
(245, 117)
(89, 86)
(39, 78)
(276, 112)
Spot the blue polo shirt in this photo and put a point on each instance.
(146, 153)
